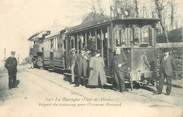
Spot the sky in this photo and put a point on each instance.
(19, 19)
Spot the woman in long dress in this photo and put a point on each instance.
(97, 74)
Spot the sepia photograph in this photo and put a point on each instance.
(91, 58)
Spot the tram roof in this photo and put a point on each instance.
(53, 34)
(107, 21)
(38, 35)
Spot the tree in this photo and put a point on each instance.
(172, 15)
(136, 8)
(160, 6)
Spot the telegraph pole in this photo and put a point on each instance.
(4, 54)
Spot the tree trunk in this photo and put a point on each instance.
(159, 9)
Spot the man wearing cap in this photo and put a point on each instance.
(167, 67)
(11, 65)
(119, 69)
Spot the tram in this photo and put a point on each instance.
(36, 49)
(135, 36)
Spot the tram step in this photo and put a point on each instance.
(67, 74)
(50, 69)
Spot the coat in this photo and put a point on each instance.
(119, 59)
(167, 66)
(97, 65)
(78, 65)
(85, 65)
(11, 64)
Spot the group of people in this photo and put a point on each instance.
(90, 67)
(87, 68)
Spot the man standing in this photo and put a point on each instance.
(120, 69)
(78, 68)
(11, 65)
(167, 67)
(98, 77)
(73, 65)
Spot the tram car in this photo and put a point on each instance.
(136, 37)
(54, 52)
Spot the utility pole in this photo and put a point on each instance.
(4, 54)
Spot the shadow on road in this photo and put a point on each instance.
(177, 86)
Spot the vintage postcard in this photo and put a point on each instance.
(91, 58)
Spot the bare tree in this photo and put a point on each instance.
(172, 15)
(99, 5)
(160, 6)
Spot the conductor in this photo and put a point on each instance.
(11, 65)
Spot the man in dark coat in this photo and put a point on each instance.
(119, 69)
(84, 63)
(11, 65)
(167, 68)
(78, 69)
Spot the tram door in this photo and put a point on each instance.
(105, 51)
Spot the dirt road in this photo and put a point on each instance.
(43, 93)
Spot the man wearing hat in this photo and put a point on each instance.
(167, 67)
(11, 65)
(119, 68)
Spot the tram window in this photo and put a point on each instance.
(123, 37)
(145, 35)
(142, 36)
(56, 44)
(72, 43)
(118, 36)
(51, 41)
(118, 39)
(136, 39)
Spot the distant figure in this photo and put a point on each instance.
(167, 67)
(120, 69)
(145, 62)
(31, 61)
(11, 65)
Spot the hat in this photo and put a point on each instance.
(73, 50)
(12, 52)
